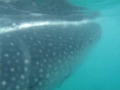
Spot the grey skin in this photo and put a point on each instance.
(39, 52)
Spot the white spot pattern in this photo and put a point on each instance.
(36, 59)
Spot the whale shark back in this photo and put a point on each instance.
(35, 58)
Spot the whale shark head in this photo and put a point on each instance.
(38, 52)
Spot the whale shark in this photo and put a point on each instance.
(39, 51)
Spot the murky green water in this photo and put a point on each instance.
(101, 70)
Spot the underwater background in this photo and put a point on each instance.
(101, 69)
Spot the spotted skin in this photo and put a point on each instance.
(38, 58)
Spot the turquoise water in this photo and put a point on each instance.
(101, 70)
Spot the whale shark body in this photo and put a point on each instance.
(37, 53)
